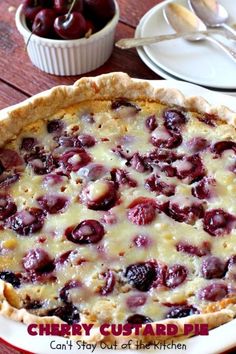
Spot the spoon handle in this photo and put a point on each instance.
(229, 29)
(231, 53)
(127, 43)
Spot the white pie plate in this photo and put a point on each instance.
(219, 339)
(198, 62)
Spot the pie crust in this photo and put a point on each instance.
(109, 86)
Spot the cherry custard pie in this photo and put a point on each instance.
(117, 205)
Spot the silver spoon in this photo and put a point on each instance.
(211, 13)
(183, 20)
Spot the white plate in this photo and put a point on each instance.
(155, 68)
(219, 339)
(200, 62)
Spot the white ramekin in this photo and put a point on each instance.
(69, 57)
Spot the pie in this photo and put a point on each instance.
(117, 205)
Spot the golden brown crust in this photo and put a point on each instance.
(108, 86)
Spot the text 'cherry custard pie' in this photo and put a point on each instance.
(117, 205)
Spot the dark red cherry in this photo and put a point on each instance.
(151, 123)
(209, 119)
(217, 222)
(221, 146)
(110, 281)
(214, 292)
(163, 138)
(182, 311)
(122, 102)
(68, 313)
(7, 206)
(99, 195)
(174, 119)
(74, 159)
(142, 241)
(43, 23)
(53, 203)
(138, 319)
(86, 140)
(182, 213)
(38, 260)
(40, 161)
(205, 188)
(121, 177)
(136, 300)
(28, 143)
(197, 144)
(88, 231)
(213, 267)
(62, 258)
(141, 275)
(64, 292)
(154, 184)
(199, 251)
(27, 221)
(31, 8)
(53, 179)
(161, 155)
(70, 26)
(10, 159)
(191, 168)
(93, 172)
(10, 277)
(55, 126)
(176, 275)
(101, 11)
(138, 163)
(63, 6)
(7, 179)
(142, 211)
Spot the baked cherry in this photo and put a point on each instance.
(141, 275)
(40, 161)
(174, 119)
(214, 292)
(190, 168)
(70, 26)
(43, 22)
(151, 123)
(7, 206)
(209, 119)
(86, 140)
(68, 313)
(27, 221)
(142, 241)
(217, 222)
(154, 184)
(175, 276)
(138, 163)
(7, 179)
(64, 292)
(182, 311)
(142, 211)
(205, 189)
(138, 319)
(28, 143)
(10, 159)
(53, 203)
(221, 146)
(88, 231)
(11, 278)
(122, 102)
(163, 138)
(199, 251)
(38, 260)
(100, 10)
(55, 126)
(213, 267)
(110, 281)
(184, 211)
(74, 159)
(121, 177)
(136, 300)
(99, 195)
(197, 144)
(92, 172)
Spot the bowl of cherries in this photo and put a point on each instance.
(68, 37)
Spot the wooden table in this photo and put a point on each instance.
(19, 79)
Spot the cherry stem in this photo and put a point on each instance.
(31, 34)
(71, 8)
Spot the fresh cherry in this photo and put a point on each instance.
(63, 6)
(100, 10)
(70, 26)
(30, 9)
(43, 22)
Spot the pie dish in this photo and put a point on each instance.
(117, 205)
